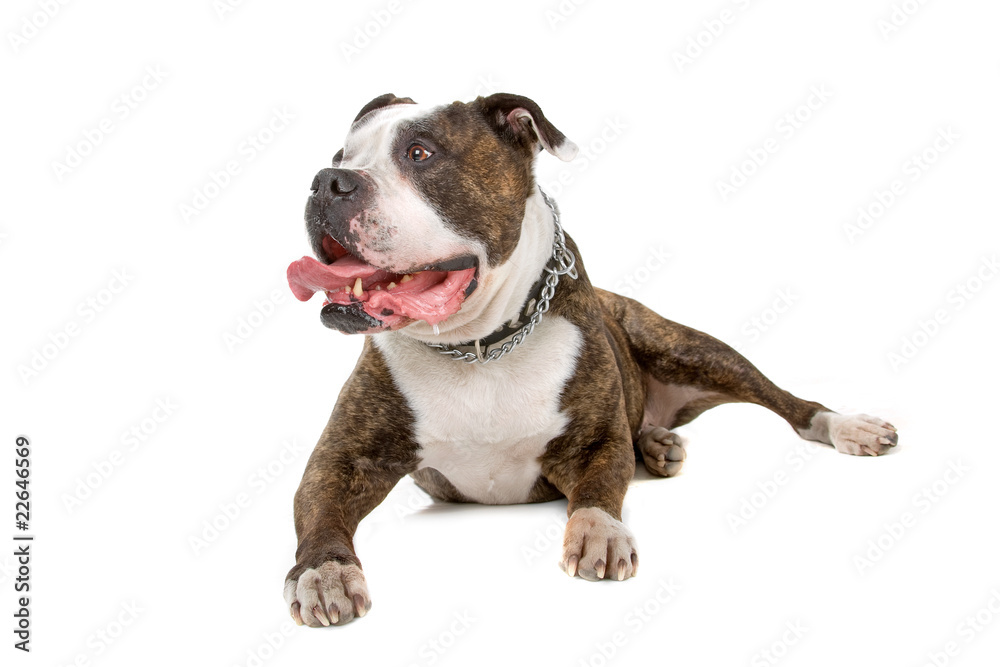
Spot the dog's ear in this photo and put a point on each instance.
(381, 101)
(521, 122)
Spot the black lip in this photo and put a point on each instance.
(349, 318)
(456, 264)
(472, 286)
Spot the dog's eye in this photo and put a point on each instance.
(418, 153)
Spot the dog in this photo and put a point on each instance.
(492, 370)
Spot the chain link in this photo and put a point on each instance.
(562, 263)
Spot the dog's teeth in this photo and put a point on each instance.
(357, 288)
(378, 287)
(405, 279)
(391, 285)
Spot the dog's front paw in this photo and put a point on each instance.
(862, 435)
(598, 545)
(331, 594)
(662, 451)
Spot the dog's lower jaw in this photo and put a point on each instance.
(502, 290)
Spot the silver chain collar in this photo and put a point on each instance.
(563, 262)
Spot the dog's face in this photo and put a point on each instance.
(420, 205)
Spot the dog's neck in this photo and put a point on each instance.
(503, 290)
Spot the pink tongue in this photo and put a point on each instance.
(434, 304)
(307, 275)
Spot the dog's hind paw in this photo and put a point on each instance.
(858, 435)
(862, 435)
(662, 451)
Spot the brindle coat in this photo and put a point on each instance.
(629, 358)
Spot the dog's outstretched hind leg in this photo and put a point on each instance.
(688, 372)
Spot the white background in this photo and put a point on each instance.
(650, 186)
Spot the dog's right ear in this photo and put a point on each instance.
(381, 101)
(519, 121)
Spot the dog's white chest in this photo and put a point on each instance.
(483, 426)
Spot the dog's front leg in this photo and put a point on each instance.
(594, 477)
(342, 483)
(366, 448)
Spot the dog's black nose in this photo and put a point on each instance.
(335, 182)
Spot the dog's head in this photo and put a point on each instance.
(420, 206)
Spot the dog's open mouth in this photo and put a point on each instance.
(390, 300)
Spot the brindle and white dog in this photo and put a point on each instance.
(495, 372)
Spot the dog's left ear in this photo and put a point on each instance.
(520, 121)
